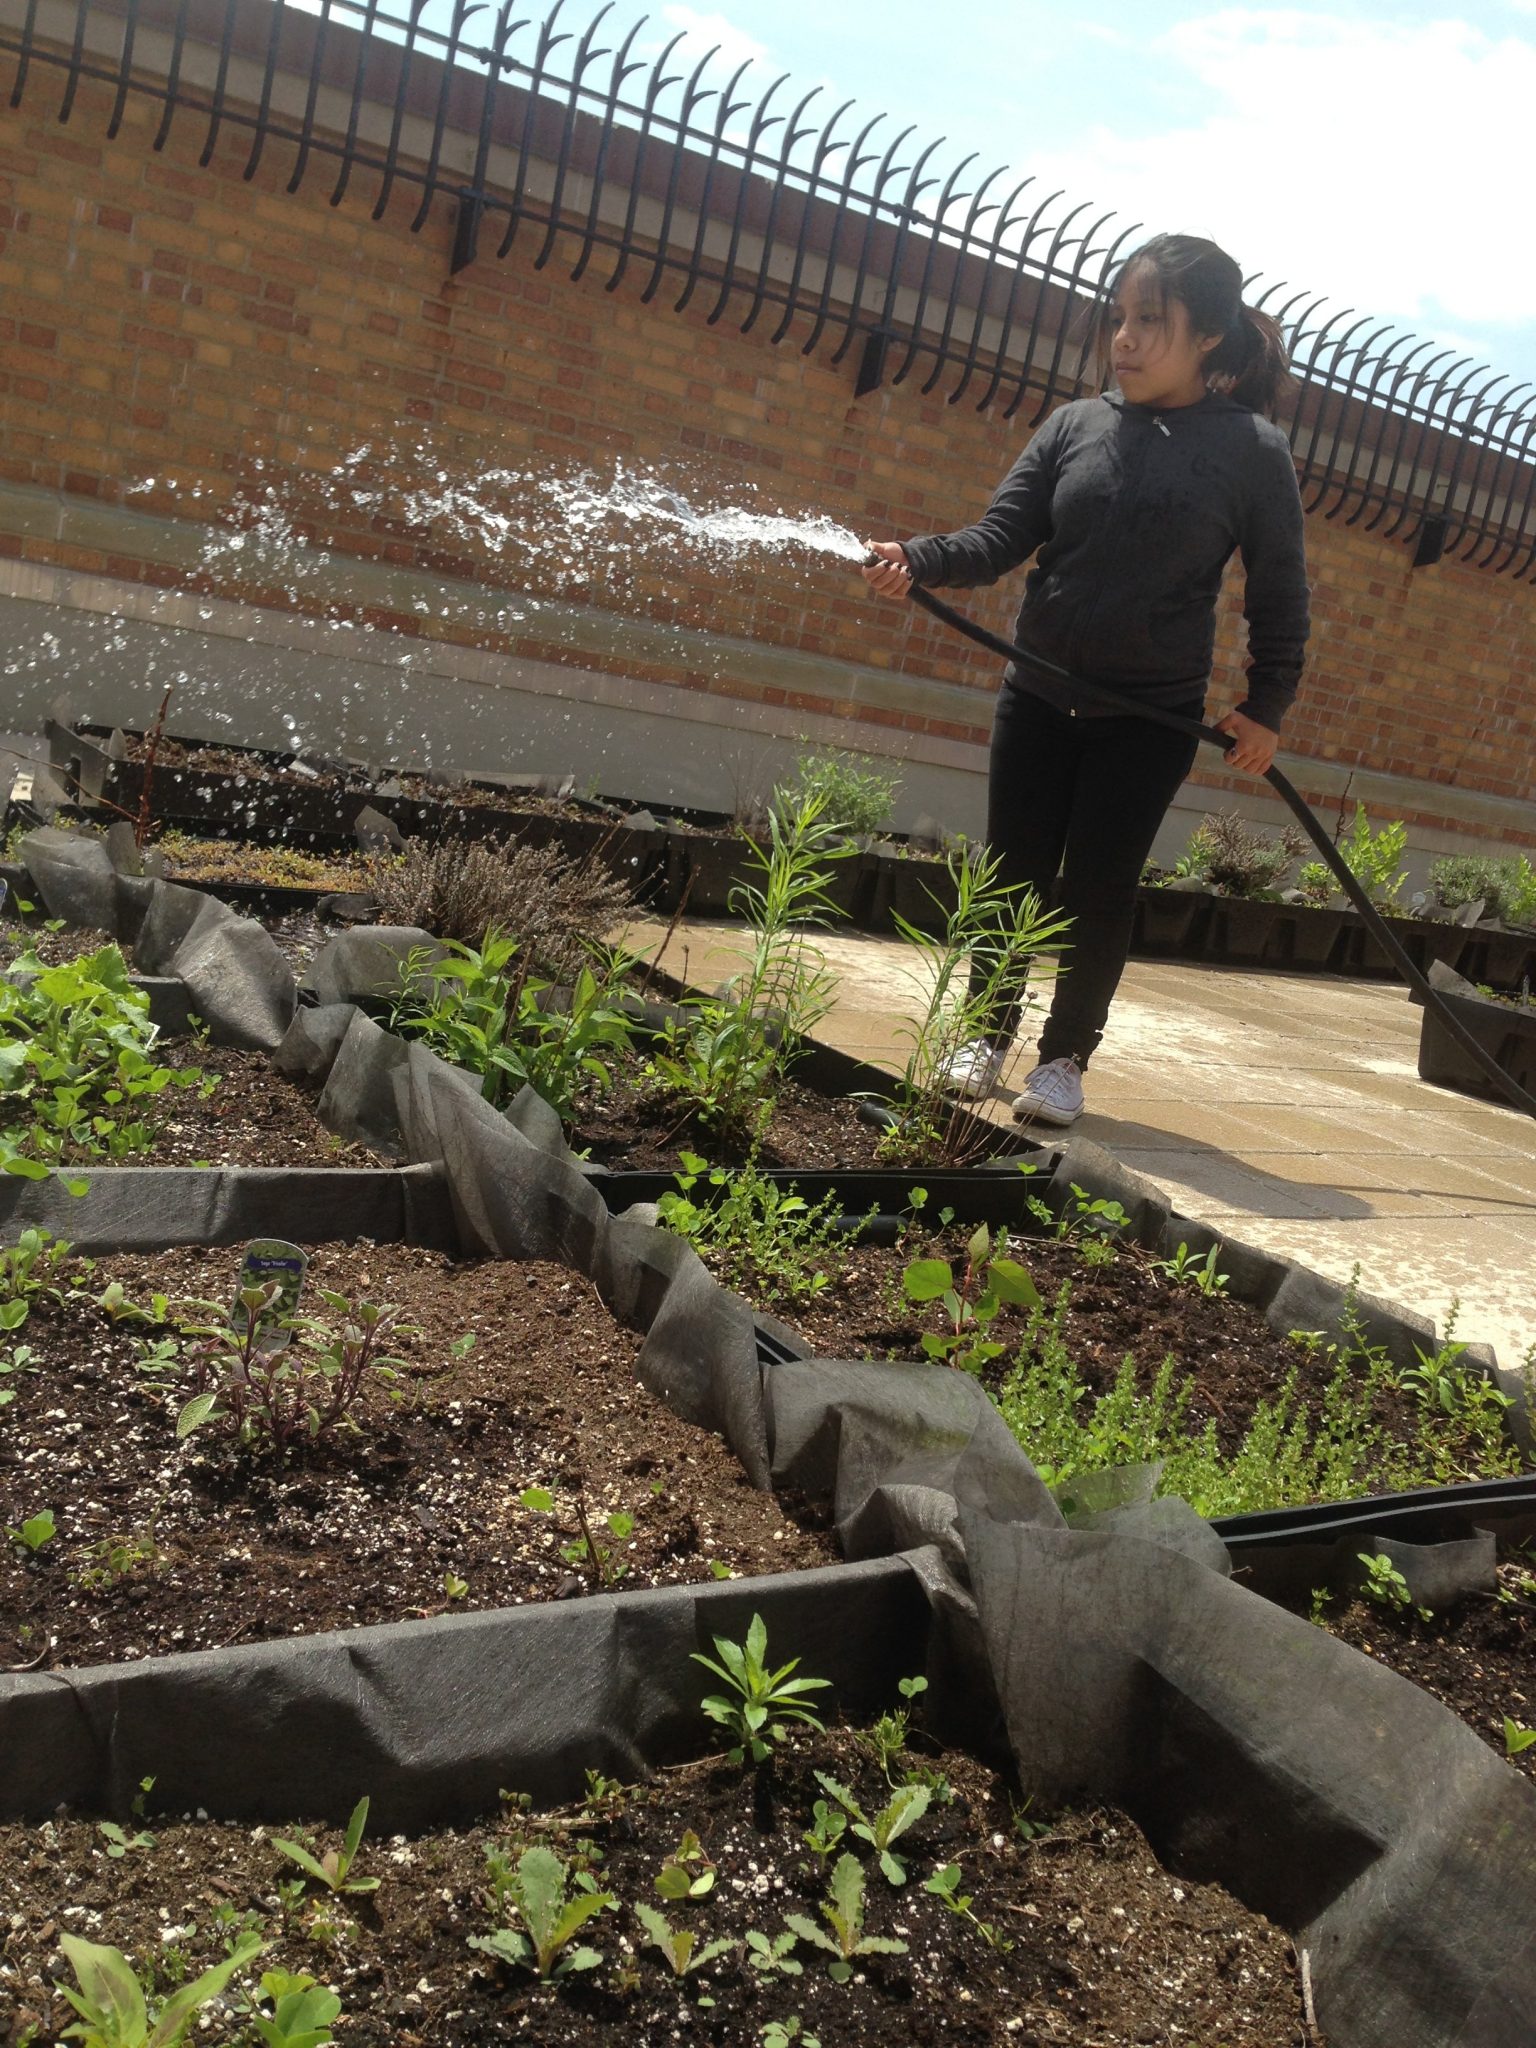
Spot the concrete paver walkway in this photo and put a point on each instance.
(1285, 1110)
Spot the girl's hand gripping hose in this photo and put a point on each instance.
(886, 572)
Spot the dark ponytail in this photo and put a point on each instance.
(1249, 363)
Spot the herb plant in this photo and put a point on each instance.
(551, 1916)
(272, 1381)
(1385, 1585)
(843, 1911)
(756, 1233)
(111, 2002)
(75, 1065)
(730, 1060)
(856, 792)
(680, 1945)
(1184, 1269)
(759, 1701)
(488, 1010)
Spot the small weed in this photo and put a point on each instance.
(680, 1945)
(843, 1911)
(111, 2001)
(1184, 1269)
(903, 1810)
(1517, 1737)
(972, 1302)
(551, 1915)
(945, 1885)
(35, 1533)
(773, 1955)
(1385, 1585)
(601, 1561)
(333, 1870)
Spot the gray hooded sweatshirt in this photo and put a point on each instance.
(1135, 514)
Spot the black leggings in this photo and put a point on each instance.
(1082, 796)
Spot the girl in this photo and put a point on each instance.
(1135, 501)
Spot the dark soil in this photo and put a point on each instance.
(52, 948)
(1479, 1660)
(367, 1525)
(1106, 1949)
(253, 1117)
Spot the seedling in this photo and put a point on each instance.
(1185, 1269)
(759, 1235)
(971, 1303)
(537, 1893)
(119, 1842)
(35, 1532)
(454, 1588)
(1517, 1737)
(332, 1870)
(601, 1561)
(945, 1885)
(680, 1945)
(843, 1911)
(773, 1954)
(112, 2006)
(302, 2011)
(887, 1737)
(761, 1702)
(828, 1826)
(687, 1873)
(787, 2033)
(1386, 1586)
(902, 1810)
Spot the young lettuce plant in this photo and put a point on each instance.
(843, 1911)
(761, 1702)
(111, 2003)
(537, 1891)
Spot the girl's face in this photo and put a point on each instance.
(1157, 359)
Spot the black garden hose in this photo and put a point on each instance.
(1376, 925)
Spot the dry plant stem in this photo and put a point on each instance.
(594, 1564)
(667, 936)
(152, 739)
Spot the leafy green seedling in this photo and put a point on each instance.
(687, 1873)
(761, 1701)
(680, 1945)
(843, 1911)
(828, 1826)
(454, 1588)
(302, 2011)
(111, 2003)
(945, 1885)
(1517, 1737)
(773, 1955)
(120, 1842)
(537, 1893)
(1386, 1586)
(35, 1532)
(787, 2033)
(905, 1807)
(332, 1870)
(971, 1302)
(603, 1565)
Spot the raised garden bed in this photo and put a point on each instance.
(410, 1506)
(1087, 1937)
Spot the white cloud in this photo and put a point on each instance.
(701, 30)
(1385, 164)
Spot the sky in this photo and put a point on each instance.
(1372, 152)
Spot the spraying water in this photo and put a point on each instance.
(513, 552)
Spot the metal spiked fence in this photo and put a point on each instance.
(616, 158)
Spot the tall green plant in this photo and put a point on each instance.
(730, 1060)
(989, 926)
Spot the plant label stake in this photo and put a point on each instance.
(267, 1261)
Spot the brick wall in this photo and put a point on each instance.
(162, 321)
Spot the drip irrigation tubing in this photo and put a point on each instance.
(1376, 925)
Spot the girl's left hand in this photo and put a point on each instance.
(1256, 744)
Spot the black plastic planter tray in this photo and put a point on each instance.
(1286, 1551)
(1506, 1031)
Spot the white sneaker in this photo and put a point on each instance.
(1053, 1093)
(973, 1069)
